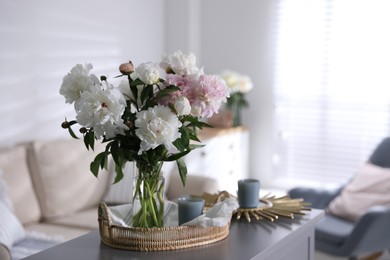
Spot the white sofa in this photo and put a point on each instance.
(48, 192)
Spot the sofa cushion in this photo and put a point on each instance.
(61, 175)
(381, 155)
(86, 219)
(333, 230)
(55, 232)
(18, 184)
(370, 187)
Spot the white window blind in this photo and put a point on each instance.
(332, 81)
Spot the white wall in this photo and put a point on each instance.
(42, 39)
(183, 26)
(237, 35)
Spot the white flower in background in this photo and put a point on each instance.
(77, 81)
(148, 73)
(180, 63)
(182, 106)
(155, 126)
(237, 82)
(102, 110)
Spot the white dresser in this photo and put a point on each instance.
(224, 157)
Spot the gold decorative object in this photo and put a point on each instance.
(156, 239)
(271, 207)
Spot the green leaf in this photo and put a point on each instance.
(92, 139)
(97, 163)
(146, 93)
(86, 140)
(104, 161)
(182, 170)
(182, 143)
(119, 173)
(89, 139)
(166, 91)
(134, 89)
(199, 124)
(195, 146)
(136, 82)
(157, 154)
(72, 122)
(115, 151)
(94, 168)
(194, 137)
(70, 130)
(176, 156)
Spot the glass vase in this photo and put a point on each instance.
(148, 196)
(236, 115)
(235, 103)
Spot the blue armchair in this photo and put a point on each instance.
(344, 238)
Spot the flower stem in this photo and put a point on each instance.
(148, 201)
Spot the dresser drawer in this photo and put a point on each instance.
(224, 157)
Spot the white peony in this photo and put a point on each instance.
(124, 87)
(77, 81)
(182, 106)
(102, 110)
(180, 63)
(155, 126)
(148, 73)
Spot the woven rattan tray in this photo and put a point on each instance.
(156, 239)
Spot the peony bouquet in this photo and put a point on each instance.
(151, 117)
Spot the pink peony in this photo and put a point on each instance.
(211, 93)
(205, 93)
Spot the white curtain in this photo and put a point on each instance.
(332, 92)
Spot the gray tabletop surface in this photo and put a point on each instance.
(245, 241)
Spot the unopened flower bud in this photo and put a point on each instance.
(182, 106)
(126, 68)
(65, 124)
(83, 130)
(169, 70)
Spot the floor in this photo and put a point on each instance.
(321, 256)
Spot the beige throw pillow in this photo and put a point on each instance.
(62, 178)
(370, 187)
(18, 186)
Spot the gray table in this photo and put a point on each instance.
(283, 239)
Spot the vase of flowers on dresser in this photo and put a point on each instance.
(152, 116)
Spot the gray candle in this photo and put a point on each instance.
(189, 208)
(248, 193)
